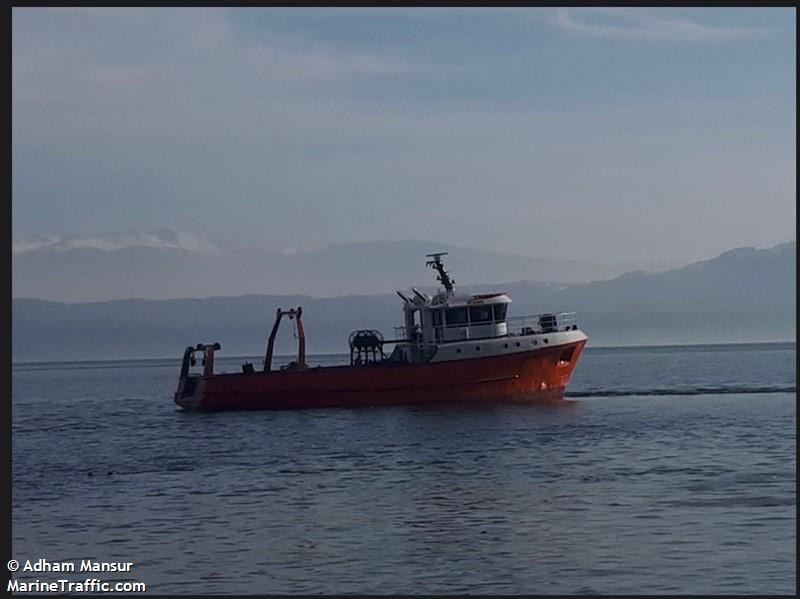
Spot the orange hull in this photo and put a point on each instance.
(533, 376)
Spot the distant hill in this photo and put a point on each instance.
(745, 294)
(167, 264)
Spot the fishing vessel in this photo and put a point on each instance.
(452, 347)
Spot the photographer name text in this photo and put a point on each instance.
(86, 565)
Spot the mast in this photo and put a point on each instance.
(444, 276)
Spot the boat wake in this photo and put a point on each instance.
(720, 390)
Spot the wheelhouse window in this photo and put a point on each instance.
(437, 318)
(480, 314)
(500, 312)
(456, 316)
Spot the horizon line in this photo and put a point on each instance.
(343, 353)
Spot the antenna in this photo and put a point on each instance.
(444, 276)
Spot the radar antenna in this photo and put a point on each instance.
(444, 276)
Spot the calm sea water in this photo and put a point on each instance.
(672, 470)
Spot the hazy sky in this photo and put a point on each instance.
(602, 134)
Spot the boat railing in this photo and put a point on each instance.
(529, 324)
(547, 322)
(400, 333)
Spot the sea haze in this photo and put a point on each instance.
(670, 470)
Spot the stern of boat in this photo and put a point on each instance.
(189, 393)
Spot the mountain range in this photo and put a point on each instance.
(168, 264)
(746, 294)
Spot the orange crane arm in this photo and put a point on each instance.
(301, 336)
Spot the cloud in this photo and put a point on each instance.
(626, 24)
(129, 71)
(216, 123)
(124, 43)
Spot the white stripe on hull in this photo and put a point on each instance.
(482, 348)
